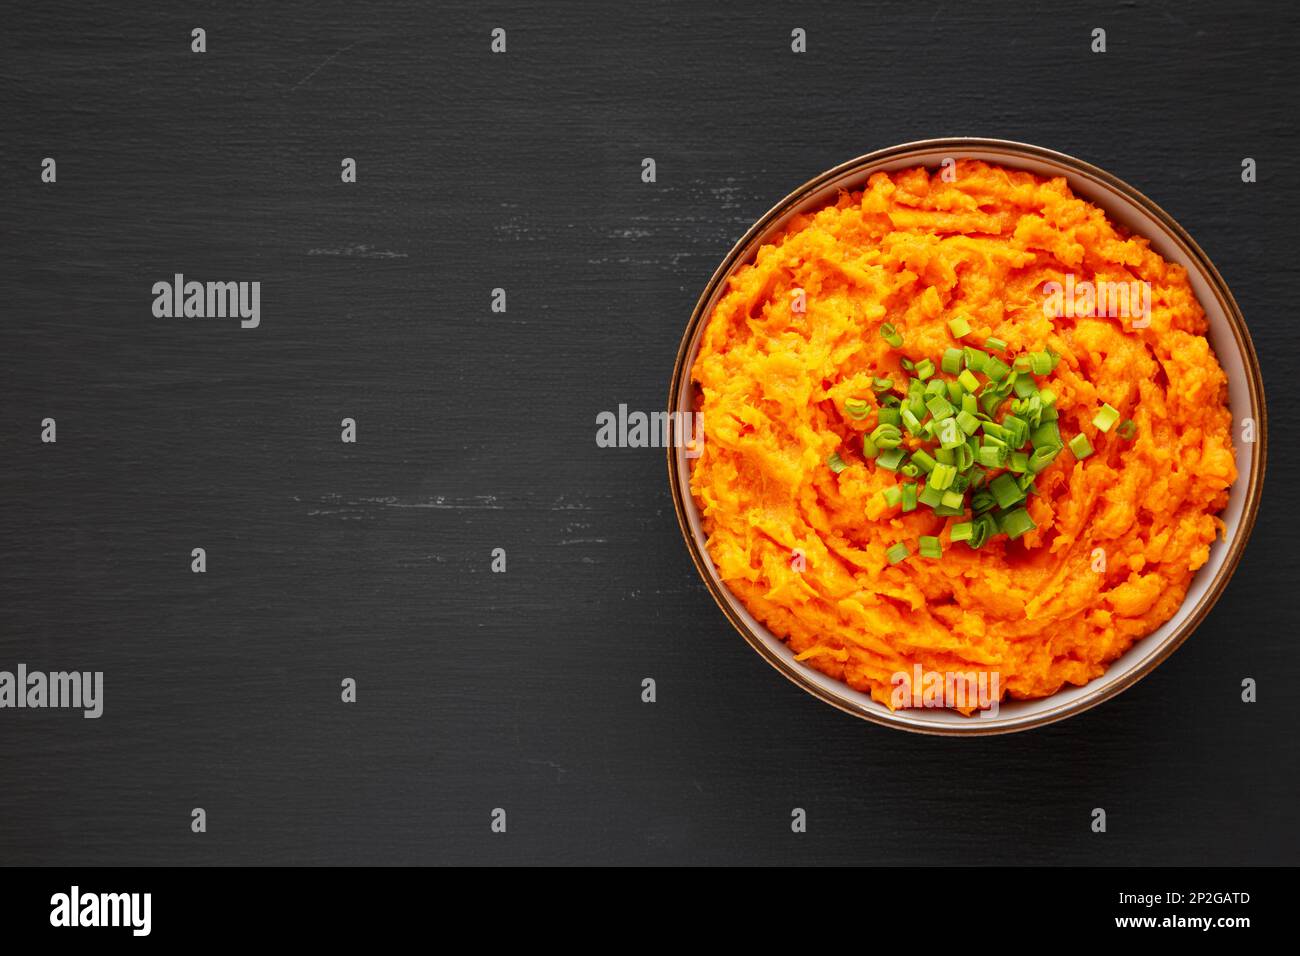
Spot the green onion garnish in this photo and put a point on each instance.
(967, 422)
(995, 344)
(887, 436)
(1127, 429)
(857, 408)
(1005, 491)
(992, 456)
(890, 335)
(941, 476)
(1080, 445)
(959, 327)
(962, 531)
(1042, 457)
(1105, 418)
(924, 369)
(1017, 522)
(951, 361)
(939, 407)
(930, 547)
(890, 458)
(929, 495)
(949, 435)
(836, 463)
(893, 495)
(909, 496)
(897, 553)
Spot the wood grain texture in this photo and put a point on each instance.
(476, 431)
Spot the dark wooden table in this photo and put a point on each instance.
(476, 431)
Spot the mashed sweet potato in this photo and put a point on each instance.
(1119, 534)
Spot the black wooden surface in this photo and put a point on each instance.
(522, 690)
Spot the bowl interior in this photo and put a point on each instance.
(1229, 342)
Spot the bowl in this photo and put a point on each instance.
(1228, 336)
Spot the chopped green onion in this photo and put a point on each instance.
(976, 360)
(869, 448)
(1048, 396)
(890, 335)
(1042, 457)
(1006, 491)
(952, 499)
(995, 344)
(996, 369)
(1040, 363)
(889, 416)
(1018, 463)
(1024, 386)
(1127, 429)
(992, 456)
(909, 496)
(924, 369)
(924, 460)
(962, 531)
(890, 458)
(958, 326)
(897, 553)
(881, 384)
(911, 422)
(892, 495)
(836, 463)
(907, 364)
(857, 408)
(929, 495)
(910, 470)
(968, 381)
(950, 436)
(967, 422)
(930, 547)
(1046, 435)
(1016, 430)
(1017, 522)
(941, 477)
(939, 407)
(887, 436)
(1106, 418)
(1080, 445)
(951, 361)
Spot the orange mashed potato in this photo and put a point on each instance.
(1041, 611)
